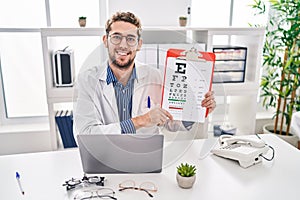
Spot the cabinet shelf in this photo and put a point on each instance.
(57, 32)
(60, 92)
(236, 89)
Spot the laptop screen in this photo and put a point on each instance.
(119, 153)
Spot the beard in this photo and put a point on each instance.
(118, 63)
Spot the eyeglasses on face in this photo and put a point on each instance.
(145, 186)
(101, 193)
(73, 182)
(117, 39)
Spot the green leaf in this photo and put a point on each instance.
(186, 170)
(282, 35)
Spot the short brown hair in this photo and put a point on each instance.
(125, 17)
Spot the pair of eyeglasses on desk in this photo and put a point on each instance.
(145, 186)
(73, 182)
(99, 193)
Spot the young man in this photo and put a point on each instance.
(113, 98)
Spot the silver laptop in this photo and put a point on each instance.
(121, 153)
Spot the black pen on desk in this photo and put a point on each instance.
(19, 183)
(149, 102)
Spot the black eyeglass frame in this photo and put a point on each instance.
(73, 182)
(137, 38)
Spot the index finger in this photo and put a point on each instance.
(168, 114)
(209, 94)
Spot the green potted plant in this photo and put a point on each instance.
(281, 54)
(182, 20)
(82, 21)
(186, 175)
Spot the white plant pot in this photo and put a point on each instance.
(82, 22)
(185, 182)
(182, 22)
(292, 139)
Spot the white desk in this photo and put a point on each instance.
(42, 175)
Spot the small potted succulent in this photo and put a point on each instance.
(182, 20)
(82, 21)
(186, 175)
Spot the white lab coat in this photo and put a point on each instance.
(96, 112)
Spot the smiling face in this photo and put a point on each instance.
(122, 55)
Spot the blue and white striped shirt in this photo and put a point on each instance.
(124, 99)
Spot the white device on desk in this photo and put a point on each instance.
(247, 151)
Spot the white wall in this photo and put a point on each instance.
(152, 13)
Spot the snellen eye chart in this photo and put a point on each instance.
(185, 84)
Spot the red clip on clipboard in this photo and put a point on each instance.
(187, 78)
